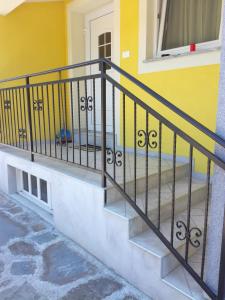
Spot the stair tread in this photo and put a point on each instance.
(148, 241)
(166, 165)
(180, 279)
(122, 207)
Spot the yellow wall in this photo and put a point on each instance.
(194, 90)
(32, 38)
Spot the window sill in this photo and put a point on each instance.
(180, 61)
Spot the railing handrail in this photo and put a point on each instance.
(169, 105)
(46, 72)
(215, 137)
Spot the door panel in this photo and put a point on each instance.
(101, 39)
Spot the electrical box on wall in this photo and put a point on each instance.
(126, 54)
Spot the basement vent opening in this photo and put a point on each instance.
(34, 188)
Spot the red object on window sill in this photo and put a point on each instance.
(192, 47)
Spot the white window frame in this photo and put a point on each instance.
(28, 194)
(150, 62)
(185, 49)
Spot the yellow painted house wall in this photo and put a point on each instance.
(32, 39)
(194, 90)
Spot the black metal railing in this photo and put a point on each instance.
(67, 118)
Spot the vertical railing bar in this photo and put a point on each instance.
(135, 152)
(173, 187)
(114, 133)
(43, 114)
(29, 117)
(19, 125)
(159, 175)
(65, 119)
(146, 165)
(22, 119)
(49, 121)
(103, 127)
(3, 117)
(79, 124)
(206, 219)
(86, 120)
(94, 108)
(13, 119)
(189, 201)
(9, 116)
(72, 116)
(124, 142)
(39, 120)
(54, 116)
(8, 122)
(60, 119)
(25, 117)
(34, 117)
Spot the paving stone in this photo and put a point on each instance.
(5, 283)
(10, 229)
(23, 268)
(44, 237)
(63, 265)
(6, 203)
(15, 210)
(130, 297)
(38, 227)
(94, 289)
(1, 266)
(23, 248)
(23, 292)
(25, 218)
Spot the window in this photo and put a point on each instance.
(25, 181)
(105, 46)
(44, 190)
(186, 22)
(36, 189)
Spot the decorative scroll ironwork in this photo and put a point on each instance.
(22, 133)
(147, 138)
(86, 103)
(114, 157)
(192, 235)
(7, 104)
(38, 105)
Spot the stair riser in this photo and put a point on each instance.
(169, 262)
(137, 225)
(166, 177)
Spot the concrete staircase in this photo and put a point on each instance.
(146, 242)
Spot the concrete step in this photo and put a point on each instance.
(149, 242)
(137, 225)
(183, 282)
(153, 178)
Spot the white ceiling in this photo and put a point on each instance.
(6, 6)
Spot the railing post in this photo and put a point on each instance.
(221, 285)
(29, 117)
(103, 116)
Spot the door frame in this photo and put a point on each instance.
(89, 19)
(103, 11)
(81, 8)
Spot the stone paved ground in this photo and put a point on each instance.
(39, 263)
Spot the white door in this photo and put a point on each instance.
(101, 39)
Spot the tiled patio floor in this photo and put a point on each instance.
(37, 262)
